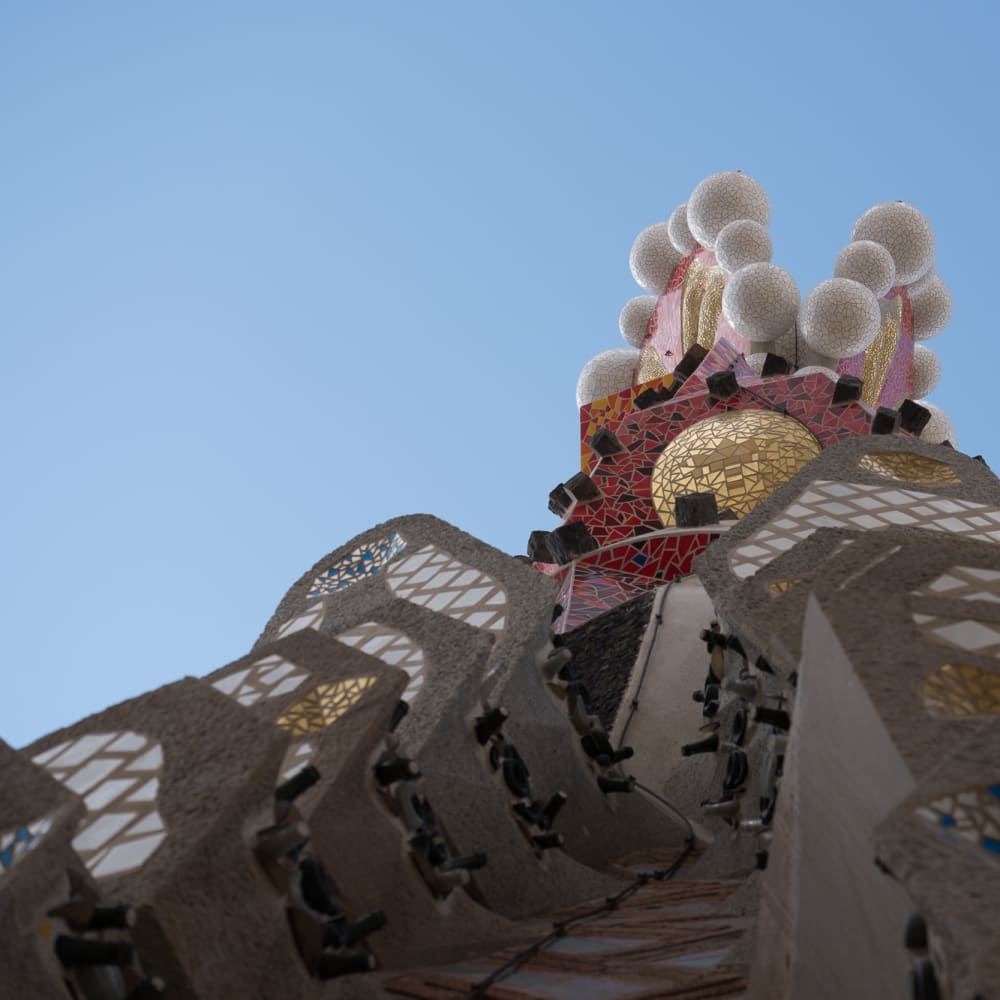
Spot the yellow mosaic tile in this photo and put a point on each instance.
(907, 467)
(603, 411)
(962, 691)
(650, 365)
(324, 705)
(740, 456)
(778, 587)
(701, 304)
(878, 357)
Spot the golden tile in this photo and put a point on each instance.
(322, 706)
(907, 467)
(778, 587)
(962, 691)
(742, 456)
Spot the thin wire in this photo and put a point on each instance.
(560, 927)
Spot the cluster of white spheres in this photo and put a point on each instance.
(724, 198)
(939, 428)
(677, 228)
(904, 232)
(633, 320)
(653, 258)
(930, 301)
(760, 301)
(839, 318)
(741, 243)
(869, 264)
(926, 370)
(606, 373)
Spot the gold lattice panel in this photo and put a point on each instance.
(701, 304)
(906, 467)
(962, 691)
(323, 705)
(741, 456)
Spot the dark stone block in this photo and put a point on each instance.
(560, 501)
(570, 541)
(687, 365)
(775, 364)
(538, 547)
(695, 509)
(913, 417)
(582, 488)
(605, 443)
(885, 421)
(847, 389)
(650, 397)
(722, 385)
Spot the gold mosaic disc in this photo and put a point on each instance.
(741, 456)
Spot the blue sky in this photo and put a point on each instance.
(270, 274)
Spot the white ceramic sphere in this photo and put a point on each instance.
(939, 428)
(814, 369)
(869, 264)
(653, 258)
(633, 320)
(740, 243)
(926, 370)
(724, 198)
(760, 301)
(931, 305)
(606, 373)
(756, 361)
(839, 318)
(904, 232)
(677, 227)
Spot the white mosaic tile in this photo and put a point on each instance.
(113, 771)
(869, 508)
(431, 578)
(312, 617)
(966, 582)
(357, 565)
(390, 646)
(269, 677)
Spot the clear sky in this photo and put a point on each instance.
(272, 273)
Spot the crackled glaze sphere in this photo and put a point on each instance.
(760, 301)
(606, 373)
(633, 320)
(926, 370)
(931, 304)
(740, 243)
(724, 198)
(653, 258)
(817, 369)
(677, 227)
(939, 428)
(869, 264)
(839, 318)
(904, 232)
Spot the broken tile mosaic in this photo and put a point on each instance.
(118, 775)
(269, 677)
(312, 617)
(828, 504)
(965, 582)
(14, 844)
(962, 691)
(740, 456)
(906, 467)
(433, 579)
(971, 815)
(324, 705)
(390, 646)
(361, 563)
